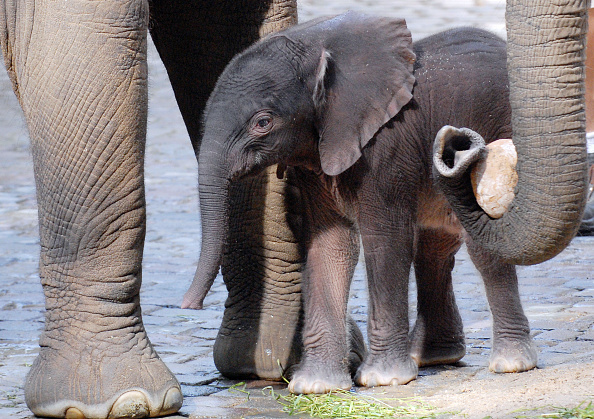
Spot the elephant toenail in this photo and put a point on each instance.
(74, 413)
(132, 404)
(173, 401)
(318, 388)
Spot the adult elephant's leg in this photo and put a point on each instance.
(438, 335)
(261, 331)
(196, 39)
(261, 267)
(79, 70)
(512, 347)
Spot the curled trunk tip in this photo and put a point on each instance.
(455, 150)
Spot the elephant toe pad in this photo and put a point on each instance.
(513, 356)
(386, 372)
(131, 404)
(320, 379)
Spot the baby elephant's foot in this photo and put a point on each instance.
(385, 371)
(438, 353)
(438, 341)
(101, 382)
(513, 355)
(438, 350)
(320, 378)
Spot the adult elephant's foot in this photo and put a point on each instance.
(385, 370)
(513, 355)
(317, 377)
(437, 346)
(118, 376)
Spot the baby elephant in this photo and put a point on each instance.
(349, 108)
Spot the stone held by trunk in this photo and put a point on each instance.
(494, 178)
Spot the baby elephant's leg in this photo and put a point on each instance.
(438, 335)
(388, 242)
(331, 341)
(513, 349)
(330, 265)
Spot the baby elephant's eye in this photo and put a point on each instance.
(263, 122)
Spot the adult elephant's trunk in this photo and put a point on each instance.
(213, 194)
(545, 65)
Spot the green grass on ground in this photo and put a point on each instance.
(584, 410)
(351, 405)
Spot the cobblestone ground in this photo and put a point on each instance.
(558, 295)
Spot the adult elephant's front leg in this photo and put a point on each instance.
(79, 70)
(260, 335)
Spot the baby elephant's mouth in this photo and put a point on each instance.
(254, 165)
(280, 171)
(246, 173)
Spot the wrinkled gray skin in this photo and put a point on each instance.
(79, 71)
(341, 104)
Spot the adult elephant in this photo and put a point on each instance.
(79, 70)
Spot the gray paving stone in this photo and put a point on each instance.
(558, 335)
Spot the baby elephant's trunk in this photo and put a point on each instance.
(213, 193)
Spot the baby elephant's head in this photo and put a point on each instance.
(313, 95)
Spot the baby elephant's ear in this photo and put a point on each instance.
(363, 78)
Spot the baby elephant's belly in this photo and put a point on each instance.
(435, 213)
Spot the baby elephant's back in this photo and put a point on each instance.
(462, 81)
